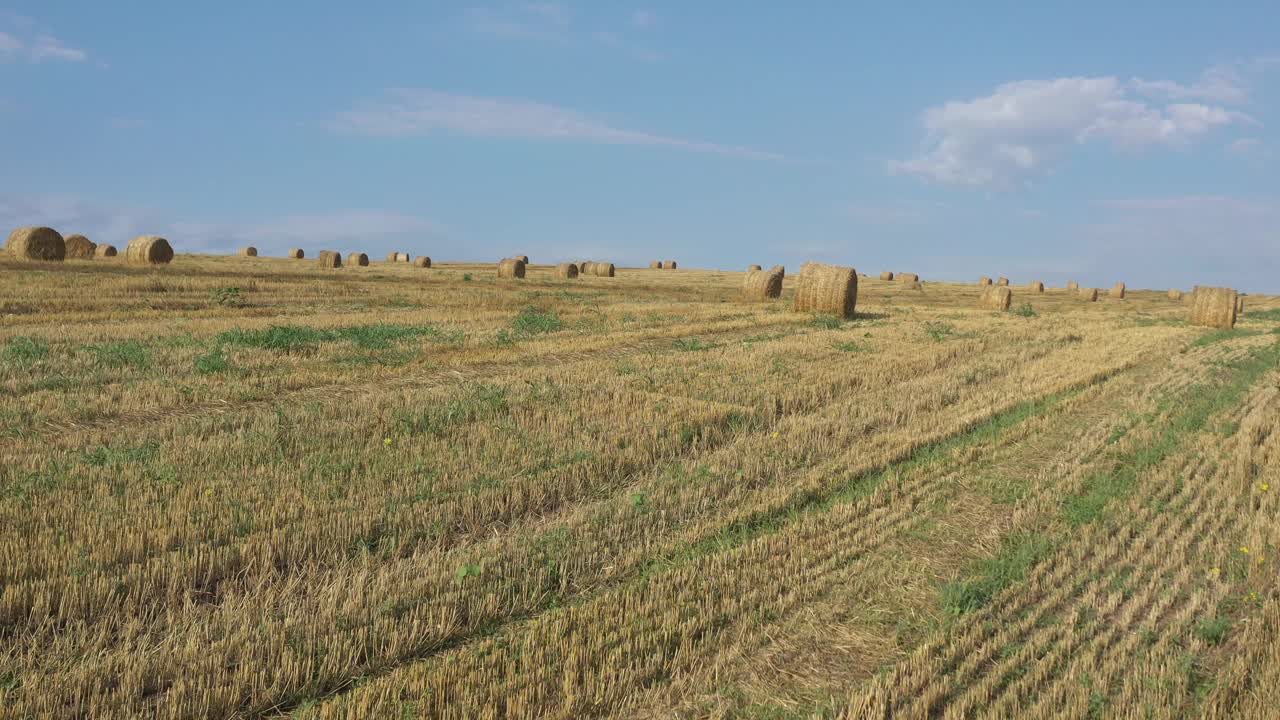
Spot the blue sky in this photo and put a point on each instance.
(1088, 141)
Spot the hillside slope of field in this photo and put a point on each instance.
(238, 487)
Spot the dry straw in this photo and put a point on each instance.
(295, 253)
(36, 243)
(916, 285)
(996, 297)
(655, 264)
(602, 269)
(984, 281)
(358, 259)
(669, 265)
(586, 268)
(1003, 281)
(1214, 307)
(1073, 285)
(1175, 294)
(1089, 294)
(886, 275)
(149, 250)
(908, 277)
(753, 267)
(778, 269)
(760, 285)
(511, 268)
(1036, 286)
(250, 251)
(566, 271)
(1239, 305)
(78, 247)
(1117, 291)
(422, 261)
(330, 259)
(393, 257)
(827, 289)
(522, 258)
(105, 251)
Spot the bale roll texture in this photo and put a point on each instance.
(358, 259)
(669, 265)
(522, 258)
(984, 281)
(511, 268)
(1036, 286)
(403, 257)
(753, 267)
(908, 277)
(149, 250)
(422, 261)
(1003, 281)
(78, 246)
(655, 264)
(393, 256)
(778, 269)
(586, 268)
(1214, 307)
(827, 289)
(886, 275)
(1117, 291)
(36, 243)
(602, 269)
(1175, 294)
(1073, 285)
(566, 271)
(760, 285)
(250, 251)
(1089, 294)
(330, 259)
(996, 297)
(295, 253)
(105, 251)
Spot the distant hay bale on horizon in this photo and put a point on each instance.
(567, 271)
(1117, 291)
(602, 269)
(827, 289)
(1003, 281)
(149, 250)
(1089, 294)
(584, 268)
(522, 258)
(759, 285)
(984, 281)
(886, 275)
(1036, 286)
(907, 277)
(996, 297)
(655, 264)
(779, 269)
(1214, 307)
(669, 265)
(511, 268)
(422, 261)
(1175, 294)
(393, 257)
(105, 250)
(329, 259)
(403, 257)
(78, 247)
(358, 259)
(1073, 285)
(295, 253)
(36, 243)
(753, 267)
(250, 251)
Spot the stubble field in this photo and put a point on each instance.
(248, 487)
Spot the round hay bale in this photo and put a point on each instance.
(996, 297)
(330, 259)
(1239, 305)
(78, 247)
(567, 271)
(250, 251)
(602, 269)
(522, 258)
(778, 269)
(886, 275)
(760, 285)
(1089, 294)
(586, 268)
(422, 261)
(1175, 294)
(358, 259)
(908, 277)
(1117, 291)
(1036, 286)
(36, 243)
(1073, 285)
(295, 253)
(655, 264)
(149, 250)
(668, 265)
(827, 289)
(1004, 281)
(511, 268)
(984, 281)
(1214, 307)
(393, 257)
(105, 251)
(403, 257)
(753, 267)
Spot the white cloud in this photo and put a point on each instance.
(44, 48)
(1221, 83)
(410, 112)
(1019, 131)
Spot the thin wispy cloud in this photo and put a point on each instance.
(1220, 84)
(642, 19)
(412, 112)
(1022, 129)
(41, 48)
(554, 23)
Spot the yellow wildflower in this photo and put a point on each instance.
(774, 435)
(1264, 487)
(386, 441)
(1215, 571)
(1244, 549)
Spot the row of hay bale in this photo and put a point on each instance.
(662, 265)
(48, 245)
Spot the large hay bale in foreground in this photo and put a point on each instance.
(669, 265)
(36, 243)
(105, 250)
(567, 271)
(149, 250)
(295, 253)
(996, 297)
(1117, 291)
(753, 267)
(511, 268)
(907, 277)
(886, 275)
(422, 261)
(827, 289)
(1089, 294)
(1036, 286)
(1214, 307)
(250, 251)
(655, 264)
(1002, 280)
(78, 247)
(1175, 294)
(358, 259)
(329, 259)
(602, 269)
(760, 285)
(1073, 285)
